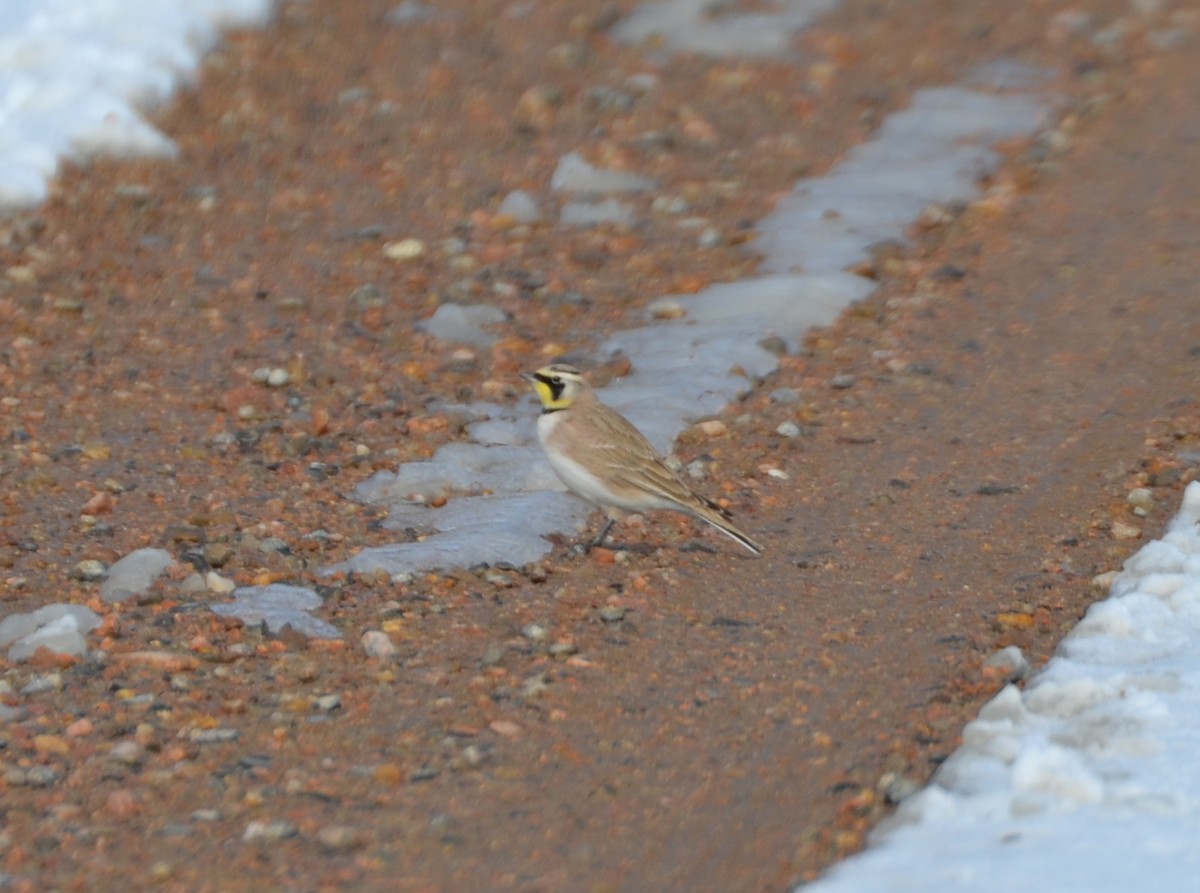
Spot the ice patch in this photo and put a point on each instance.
(277, 605)
(473, 530)
(702, 26)
(933, 152)
(786, 305)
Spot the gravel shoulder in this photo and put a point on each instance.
(672, 716)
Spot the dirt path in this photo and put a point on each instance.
(1017, 373)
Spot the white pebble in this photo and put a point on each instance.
(535, 632)
(264, 831)
(326, 703)
(218, 584)
(404, 251)
(1141, 498)
(376, 643)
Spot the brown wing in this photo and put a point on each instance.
(630, 459)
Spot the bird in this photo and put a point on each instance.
(605, 460)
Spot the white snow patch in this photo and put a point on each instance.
(1088, 780)
(74, 74)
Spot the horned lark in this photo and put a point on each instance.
(604, 459)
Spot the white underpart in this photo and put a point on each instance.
(582, 482)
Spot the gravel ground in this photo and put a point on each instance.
(664, 717)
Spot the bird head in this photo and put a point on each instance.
(557, 385)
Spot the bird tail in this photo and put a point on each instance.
(718, 517)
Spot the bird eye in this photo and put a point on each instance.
(557, 379)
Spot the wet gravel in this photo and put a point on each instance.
(205, 358)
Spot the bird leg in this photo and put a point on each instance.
(603, 533)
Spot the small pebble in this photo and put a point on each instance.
(896, 788)
(69, 305)
(39, 684)
(127, 753)
(214, 582)
(340, 838)
(785, 396)
(470, 757)
(328, 703)
(404, 251)
(213, 736)
(611, 614)
(788, 429)
(89, 570)
(505, 728)
(1141, 498)
(34, 776)
(841, 382)
(268, 831)
(534, 686)
(1009, 662)
(499, 579)
(193, 584)
(273, 544)
(218, 554)
(376, 643)
(535, 633)
(1122, 531)
(53, 745)
(492, 655)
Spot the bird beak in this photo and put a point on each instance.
(529, 376)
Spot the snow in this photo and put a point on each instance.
(279, 605)
(73, 74)
(1088, 779)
